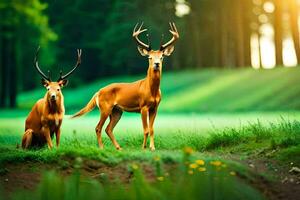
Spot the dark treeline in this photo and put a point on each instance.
(213, 33)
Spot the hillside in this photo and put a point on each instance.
(204, 91)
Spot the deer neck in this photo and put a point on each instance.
(153, 80)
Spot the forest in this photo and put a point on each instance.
(213, 34)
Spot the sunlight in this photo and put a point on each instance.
(255, 51)
(269, 7)
(289, 54)
(267, 48)
(182, 8)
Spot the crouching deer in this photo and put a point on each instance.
(142, 96)
(47, 114)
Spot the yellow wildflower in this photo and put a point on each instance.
(232, 173)
(156, 158)
(200, 162)
(160, 178)
(193, 166)
(134, 166)
(216, 163)
(202, 169)
(188, 150)
(190, 172)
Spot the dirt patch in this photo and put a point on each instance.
(285, 185)
(28, 175)
(273, 179)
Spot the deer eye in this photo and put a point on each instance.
(57, 89)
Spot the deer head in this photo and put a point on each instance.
(54, 87)
(155, 56)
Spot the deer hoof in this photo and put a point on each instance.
(152, 148)
(119, 148)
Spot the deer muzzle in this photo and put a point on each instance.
(53, 97)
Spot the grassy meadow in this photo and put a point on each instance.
(208, 91)
(235, 118)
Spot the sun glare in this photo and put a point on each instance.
(269, 7)
(267, 47)
(182, 8)
(289, 54)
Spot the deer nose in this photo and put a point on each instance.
(156, 66)
(53, 96)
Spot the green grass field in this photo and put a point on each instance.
(234, 116)
(203, 91)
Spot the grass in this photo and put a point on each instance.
(196, 91)
(200, 132)
(194, 113)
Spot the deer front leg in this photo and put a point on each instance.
(144, 113)
(152, 115)
(46, 132)
(57, 136)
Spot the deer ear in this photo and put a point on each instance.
(45, 82)
(63, 82)
(143, 52)
(168, 51)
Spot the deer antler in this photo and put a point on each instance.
(137, 32)
(62, 77)
(175, 34)
(36, 64)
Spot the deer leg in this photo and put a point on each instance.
(27, 139)
(144, 113)
(115, 116)
(57, 136)
(152, 115)
(48, 137)
(99, 129)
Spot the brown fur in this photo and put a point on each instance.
(45, 118)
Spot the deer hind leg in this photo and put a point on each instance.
(27, 139)
(115, 116)
(99, 128)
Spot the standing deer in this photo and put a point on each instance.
(46, 115)
(142, 96)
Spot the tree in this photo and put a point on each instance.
(294, 14)
(278, 32)
(16, 18)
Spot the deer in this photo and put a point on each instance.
(47, 114)
(142, 96)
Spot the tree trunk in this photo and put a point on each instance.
(239, 35)
(246, 8)
(293, 9)
(12, 73)
(278, 32)
(4, 71)
(223, 35)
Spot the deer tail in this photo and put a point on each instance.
(89, 107)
